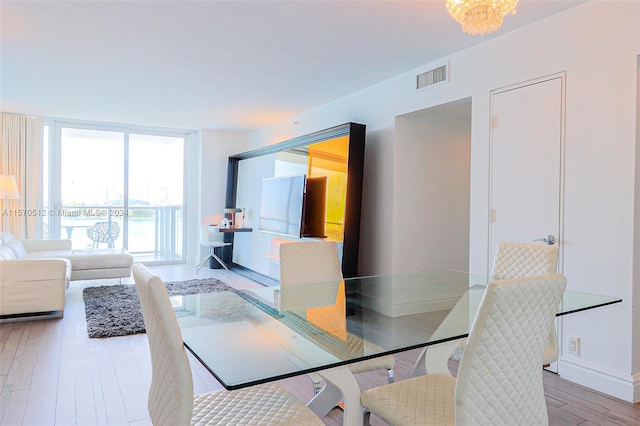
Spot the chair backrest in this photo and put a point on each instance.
(206, 235)
(104, 232)
(171, 392)
(308, 263)
(499, 378)
(517, 260)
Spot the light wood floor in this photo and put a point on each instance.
(51, 373)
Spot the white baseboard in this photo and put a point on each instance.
(396, 310)
(611, 382)
(405, 294)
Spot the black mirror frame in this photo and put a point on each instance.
(355, 171)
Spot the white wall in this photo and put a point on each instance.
(635, 360)
(431, 192)
(214, 150)
(597, 44)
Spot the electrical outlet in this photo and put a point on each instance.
(574, 346)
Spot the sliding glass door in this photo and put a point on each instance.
(120, 189)
(91, 179)
(155, 191)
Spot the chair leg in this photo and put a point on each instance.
(436, 358)
(317, 383)
(202, 262)
(317, 387)
(391, 375)
(219, 261)
(416, 364)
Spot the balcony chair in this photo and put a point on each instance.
(171, 400)
(104, 232)
(318, 262)
(499, 380)
(212, 240)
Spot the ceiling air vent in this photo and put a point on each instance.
(429, 78)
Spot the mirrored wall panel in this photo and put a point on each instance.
(306, 188)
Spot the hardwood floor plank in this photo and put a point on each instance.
(96, 384)
(568, 398)
(559, 417)
(620, 419)
(4, 402)
(86, 401)
(13, 360)
(604, 419)
(552, 401)
(9, 350)
(26, 364)
(15, 408)
(5, 332)
(65, 404)
(41, 404)
(40, 408)
(114, 405)
(609, 402)
(133, 388)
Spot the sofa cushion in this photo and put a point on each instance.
(5, 237)
(6, 253)
(17, 248)
(88, 259)
(48, 254)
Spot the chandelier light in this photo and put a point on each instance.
(480, 16)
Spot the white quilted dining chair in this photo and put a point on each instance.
(318, 262)
(499, 381)
(512, 260)
(171, 400)
(516, 260)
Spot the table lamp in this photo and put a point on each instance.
(8, 189)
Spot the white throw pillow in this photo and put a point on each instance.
(17, 248)
(6, 253)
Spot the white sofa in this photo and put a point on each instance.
(30, 287)
(34, 274)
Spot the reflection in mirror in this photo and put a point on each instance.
(319, 208)
(321, 304)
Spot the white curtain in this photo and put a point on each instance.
(21, 156)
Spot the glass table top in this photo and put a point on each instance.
(247, 337)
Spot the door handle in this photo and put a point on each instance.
(548, 240)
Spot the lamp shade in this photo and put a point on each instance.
(8, 187)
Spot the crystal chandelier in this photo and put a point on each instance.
(480, 16)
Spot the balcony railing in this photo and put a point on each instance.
(152, 232)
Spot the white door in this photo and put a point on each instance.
(526, 164)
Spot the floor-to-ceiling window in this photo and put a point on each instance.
(155, 196)
(120, 188)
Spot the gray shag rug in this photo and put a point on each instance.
(115, 310)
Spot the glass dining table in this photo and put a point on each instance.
(254, 336)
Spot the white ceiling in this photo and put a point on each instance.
(232, 65)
